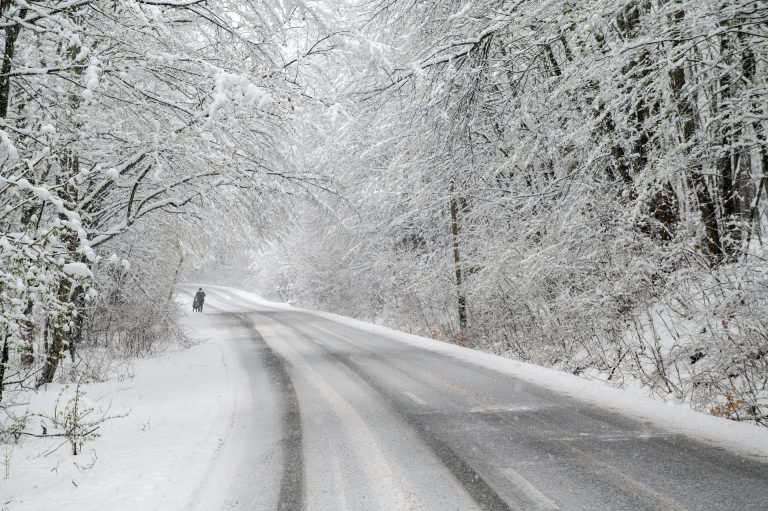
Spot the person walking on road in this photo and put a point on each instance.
(197, 304)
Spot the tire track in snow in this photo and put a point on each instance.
(478, 488)
(485, 496)
(387, 490)
(554, 446)
(292, 480)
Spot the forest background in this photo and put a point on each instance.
(576, 184)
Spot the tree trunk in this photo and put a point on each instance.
(11, 34)
(3, 363)
(626, 23)
(662, 207)
(76, 334)
(695, 177)
(733, 165)
(27, 348)
(55, 348)
(749, 67)
(68, 291)
(53, 354)
(462, 300)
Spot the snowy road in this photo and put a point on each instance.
(367, 422)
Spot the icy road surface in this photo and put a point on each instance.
(350, 418)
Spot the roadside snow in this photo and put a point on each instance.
(179, 409)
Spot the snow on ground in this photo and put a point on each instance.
(177, 447)
(742, 438)
(179, 408)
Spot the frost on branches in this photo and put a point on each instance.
(577, 184)
(122, 125)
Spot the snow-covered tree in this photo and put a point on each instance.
(578, 184)
(121, 117)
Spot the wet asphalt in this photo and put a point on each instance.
(372, 423)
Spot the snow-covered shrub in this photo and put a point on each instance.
(135, 313)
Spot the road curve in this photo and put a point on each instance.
(370, 423)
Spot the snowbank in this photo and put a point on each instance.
(153, 458)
